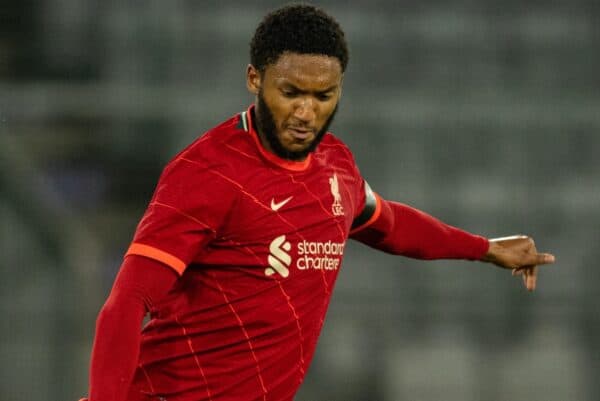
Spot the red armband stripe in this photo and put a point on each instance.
(153, 253)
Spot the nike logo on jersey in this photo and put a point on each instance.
(276, 206)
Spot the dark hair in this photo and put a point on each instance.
(297, 28)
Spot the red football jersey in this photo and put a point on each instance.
(258, 242)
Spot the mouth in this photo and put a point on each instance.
(300, 133)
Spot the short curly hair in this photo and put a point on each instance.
(297, 28)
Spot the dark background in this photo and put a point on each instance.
(483, 113)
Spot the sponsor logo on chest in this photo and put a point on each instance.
(305, 255)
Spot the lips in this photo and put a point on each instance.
(300, 133)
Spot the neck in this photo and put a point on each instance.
(264, 141)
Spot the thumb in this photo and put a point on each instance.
(544, 258)
(534, 260)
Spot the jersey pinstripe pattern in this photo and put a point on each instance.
(234, 327)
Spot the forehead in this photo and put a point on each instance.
(314, 71)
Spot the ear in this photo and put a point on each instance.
(253, 79)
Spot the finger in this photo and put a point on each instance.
(534, 259)
(544, 259)
(521, 269)
(532, 278)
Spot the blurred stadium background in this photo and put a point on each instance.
(483, 113)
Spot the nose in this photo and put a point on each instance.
(305, 110)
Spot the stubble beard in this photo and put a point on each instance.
(265, 123)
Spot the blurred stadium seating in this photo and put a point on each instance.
(485, 114)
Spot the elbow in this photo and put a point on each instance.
(108, 313)
(119, 309)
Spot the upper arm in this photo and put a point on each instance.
(142, 281)
(189, 205)
(370, 210)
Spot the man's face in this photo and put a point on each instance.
(297, 97)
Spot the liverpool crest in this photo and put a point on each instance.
(336, 206)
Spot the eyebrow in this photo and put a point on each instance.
(294, 87)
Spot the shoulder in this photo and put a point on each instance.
(213, 144)
(209, 162)
(213, 149)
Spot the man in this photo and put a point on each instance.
(238, 252)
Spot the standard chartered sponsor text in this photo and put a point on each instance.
(319, 255)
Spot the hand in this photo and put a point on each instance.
(519, 254)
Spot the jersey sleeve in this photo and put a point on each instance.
(369, 208)
(189, 205)
(368, 203)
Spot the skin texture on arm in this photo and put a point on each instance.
(140, 283)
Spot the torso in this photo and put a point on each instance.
(243, 320)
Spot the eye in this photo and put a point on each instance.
(289, 92)
(324, 96)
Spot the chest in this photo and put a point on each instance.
(285, 224)
(315, 206)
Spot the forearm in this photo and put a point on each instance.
(403, 230)
(116, 349)
(140, 282)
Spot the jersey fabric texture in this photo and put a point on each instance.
(258, 243)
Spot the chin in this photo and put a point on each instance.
(298, 147)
